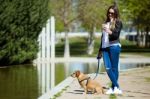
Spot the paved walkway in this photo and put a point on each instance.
(134, 83)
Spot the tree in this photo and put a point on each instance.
(20, 24)
(92, 15)
(63, 10)
(139, 13)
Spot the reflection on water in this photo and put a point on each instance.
(65, 69)
(46, 76)
(127, 66)
(29, 82)
(19, 82)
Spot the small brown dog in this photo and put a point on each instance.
(87, 83)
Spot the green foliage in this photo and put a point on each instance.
(136, 11)
(147, 79)
(78, 46)
(64, 14)
(93, 12)
(20, 24)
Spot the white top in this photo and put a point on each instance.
(115, 44)
(105, 38)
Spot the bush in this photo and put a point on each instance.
(20, 24)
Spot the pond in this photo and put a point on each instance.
(29, 82)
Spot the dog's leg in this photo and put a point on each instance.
(103, 92)
(99, 91)
(85, 90)
(93, 90)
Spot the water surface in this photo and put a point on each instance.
(29, 82)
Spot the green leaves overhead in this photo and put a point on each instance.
(86, 12)
(136, 10)
(93, 12)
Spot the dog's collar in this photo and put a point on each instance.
(85, 79)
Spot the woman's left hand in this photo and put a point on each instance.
(108, 30)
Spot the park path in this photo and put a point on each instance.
(134, 83)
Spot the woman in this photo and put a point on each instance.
(111, 47)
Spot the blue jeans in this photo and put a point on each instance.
(111, 60)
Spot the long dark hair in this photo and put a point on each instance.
(116, 12)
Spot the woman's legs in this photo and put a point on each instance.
(114, 58)
(108, 65)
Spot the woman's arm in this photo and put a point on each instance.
(116, 31)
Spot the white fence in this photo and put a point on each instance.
(47, 41)
(46, 70)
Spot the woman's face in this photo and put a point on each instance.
(111, 14)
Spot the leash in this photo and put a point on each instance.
(97, 69)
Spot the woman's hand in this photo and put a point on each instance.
(107, 30)
(99, 55)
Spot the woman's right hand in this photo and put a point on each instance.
(103, 26)
(99, 55)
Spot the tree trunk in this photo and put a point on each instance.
(67, 48)
(90, 49)
(147, 37)
(144, 39)
(138, 37)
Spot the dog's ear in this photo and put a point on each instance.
(77, 73)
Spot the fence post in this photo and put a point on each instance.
(52, 38)
(52, 30)
(48, 43)
(43, 44)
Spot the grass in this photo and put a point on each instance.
(78, 47)
(147, 79)
(59, 93)
(112, 96)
